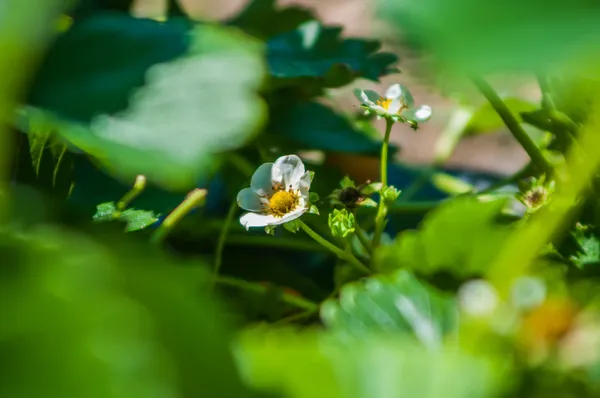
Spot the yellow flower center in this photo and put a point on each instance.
(282, 202)
(384, 103)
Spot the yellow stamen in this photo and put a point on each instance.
(282, 202)
(384, 103)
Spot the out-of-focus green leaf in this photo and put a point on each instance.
(318, 365)
(461, 237)
(198, 104)
(80, 318)
(261, 18)
(481, 36)
(397, 303)
(575, 95)
(310, 125)
(135, 219)
(315, 52)
(486, 119)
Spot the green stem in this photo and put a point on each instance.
(341, 254)
(519, 175)
(384, 151)
(511, 122)
(138, 187)
(360, 234)
(260, 289)
(382, 210)
(295, 317)
(194, 199)
(222, 238)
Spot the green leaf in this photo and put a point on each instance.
(311, 125)
(311, 364)
(81, 317)
(292, 226)
(318, 54)
(589, 249)
(461, 237)
(347, 182)
(261, 18)
(135, 219)
(475, 36)
(313, 197)
(486, 119)
(198, 104)
(397, 303)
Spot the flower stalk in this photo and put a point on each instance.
(382, 210)
(194, 199)
(341, 254)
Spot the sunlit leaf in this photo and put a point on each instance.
(285, 362)
(486, 119)
(397, 303)
(461, 237)
(135, 219)
(472, 35)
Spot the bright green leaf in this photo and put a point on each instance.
(486, 119)
(396, 303)
(462, 237)
(314, 365)
(477, 36)
(135, 219)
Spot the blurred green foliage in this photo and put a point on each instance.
(110, 288)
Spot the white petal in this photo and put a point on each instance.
(394, 91)
(247, 199)
(290, 216)
(367, 97)
(378, 109)
(261, 182)
(304, 184)
(423, 113)
(395, 106)
(292, 170)
(249, 220)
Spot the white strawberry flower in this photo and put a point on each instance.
(278, 193)
(398, 103)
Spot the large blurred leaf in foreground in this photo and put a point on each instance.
(196, 100)
(315, 52)
(314, 365)
(397, 303)
(482, 36)
(461, 237)
(80, 318)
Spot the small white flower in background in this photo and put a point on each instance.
(278, 193)
(397, 103)
(478, 298)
